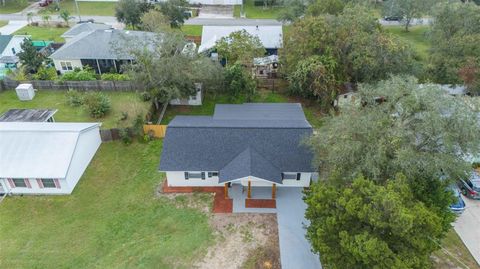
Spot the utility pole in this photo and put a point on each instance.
(78, 11)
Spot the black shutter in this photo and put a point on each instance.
(298, 176)
(186, 175)
(203, 175)
(283, 176)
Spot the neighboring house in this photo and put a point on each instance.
(28, 115)
(83, 28)
(44, 157)
(10, 46)
(248, 144)
(270, 36)
(102, 50)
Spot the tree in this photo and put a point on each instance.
(454, 36)
(422, 133)
(175, 11)
(46, 19)
(239, 81)
(131, 11)
(167, 66)
(409, 9)
(240, 46)
(30, 17)
(367, 225)
(470, 74)
(65, 16)
(319, 7)
(155, 21)
(315, 77)
(29, 57)
(293, 10)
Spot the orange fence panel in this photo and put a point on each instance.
(157, 130)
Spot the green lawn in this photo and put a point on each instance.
(86, 8)
(3, 23)
(454, 245)
(121, 102)
(13, 6)
(112, 219)
(417, 37)
(257, 12)
(311, 111)
(43, 33)
(192, 30)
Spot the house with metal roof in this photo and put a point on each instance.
(45, 157)
(252, 144)
(10, 46)
(100, 49)
(28, 115)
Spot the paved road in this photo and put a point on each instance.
(295, 250)
(467, 227)
(12, 27)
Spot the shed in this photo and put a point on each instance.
(44, 157)
(25, 92)
(28, 115)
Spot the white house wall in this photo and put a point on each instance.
(35, 188)
(177, 179)
(15, 43)
(88, 143)
(75, 64)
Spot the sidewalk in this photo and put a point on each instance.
(12, 27)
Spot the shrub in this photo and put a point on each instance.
(74, 98)
(97, 104)
(125, 136)
(146, 96)
(115, 77)
(45, 73)
(84, 74)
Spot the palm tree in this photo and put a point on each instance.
(46, 18)
(65, 16)
(30, 17)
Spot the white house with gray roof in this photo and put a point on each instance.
(80, 28)
(45, 157)
(248, 144)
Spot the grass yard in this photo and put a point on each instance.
(3, 23)
(112, 219)
(257, 12)
(417, 37)
(312, 113)
(43, 33)
(192, 30)
(13, 6)
(453, 244)
(121, 102)
(86, 8)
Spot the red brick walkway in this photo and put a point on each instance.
(220, 204)
(260, 203)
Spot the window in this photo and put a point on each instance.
(48, 183)
(212, 174)
(19, 183)
(189, 175)
(66, 66)
(13, 51)
(291, 176)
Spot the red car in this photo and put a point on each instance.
(45, 3)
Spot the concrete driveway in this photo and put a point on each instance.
(468, 227)
(12, 27)
(295, 250)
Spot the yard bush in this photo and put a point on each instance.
(78, 74)
(97, 104)
(74, 98)
(115, 77)
(45, 73)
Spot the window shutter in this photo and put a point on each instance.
(40, 183)
(203, 175)
(57, 183)
(283, 176)
(27, 182)
(10, 181)
(186, 175)
(298, 176)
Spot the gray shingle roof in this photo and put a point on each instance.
(4, 40)
(101, 44)
(236, 145)
(85, 27)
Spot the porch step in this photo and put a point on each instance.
(260, 203)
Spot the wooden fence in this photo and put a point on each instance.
(156, 130)
(94, 85)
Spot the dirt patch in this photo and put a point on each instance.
(197, 200)
(239, 237)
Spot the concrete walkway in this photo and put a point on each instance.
(238, 196)
(295, 250)
(216, 12)
(467, 227)
(12, 27)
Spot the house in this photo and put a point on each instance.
(28, 115)
(270, 36)
(45, 157)
(86, 27)
(99, 49)
(10, 46)
(255, 145)
(265, 67)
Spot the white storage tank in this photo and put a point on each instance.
(25, 92)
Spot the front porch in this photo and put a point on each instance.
(252, 200)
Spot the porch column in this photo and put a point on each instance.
(249, 193)
(274, 190)
(226, 190)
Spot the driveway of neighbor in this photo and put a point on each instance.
(12, 27)
(216, 12)
(467, 227)
(295, 250)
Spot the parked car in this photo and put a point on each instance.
(470, 187)
(44, 3)
(459, 205)
(393, 18)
